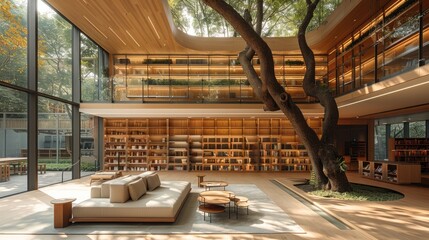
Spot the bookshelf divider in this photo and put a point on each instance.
(204, 144)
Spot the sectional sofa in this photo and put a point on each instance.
(133, 198)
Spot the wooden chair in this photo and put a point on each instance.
(4, 172)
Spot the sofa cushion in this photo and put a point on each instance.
(119, 192)
(105, 186)
(153, 182)
(165, 201)
(137, 189)
(143, 175)
(96, 191)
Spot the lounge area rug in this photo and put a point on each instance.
(264, 217)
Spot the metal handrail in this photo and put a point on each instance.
(68, 167)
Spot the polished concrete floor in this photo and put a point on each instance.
(407, 218)
(18, 183)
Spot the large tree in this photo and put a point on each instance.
(326, 161)
(192, 17)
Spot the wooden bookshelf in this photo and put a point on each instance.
(392, 172)
(178, 152)
(115, 145)
(357, 151)
(205, 144)
(410, 150)
(137, 148)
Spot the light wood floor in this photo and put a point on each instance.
(407, 218)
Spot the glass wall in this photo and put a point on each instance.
(88, 159)
(55, 49)
(426, 31)
(54, 118)
(397, 130)
(13, 103)
(13, 141)
(380, 143)
(95, 83)
(13, 42)
(54, 140)
(417, 129)
(202, 78)
(385, 46)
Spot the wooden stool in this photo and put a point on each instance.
(42, 168)
(22, 168)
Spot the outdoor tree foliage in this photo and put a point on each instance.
(13, 36)
(13, 54)
(281, 17)
(327, 163)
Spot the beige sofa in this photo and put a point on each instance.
(116, 200)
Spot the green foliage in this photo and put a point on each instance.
(65, 164)
(281, 17)
(55, 67)
(342, 164)
(313, 179)
(294, 62)
(361, 193)
(13, 42)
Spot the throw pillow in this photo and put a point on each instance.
(137, 189)
(153, 182)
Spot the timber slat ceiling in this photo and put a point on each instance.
(143, 27)
(122, 26)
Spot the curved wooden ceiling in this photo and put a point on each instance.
(146, 27)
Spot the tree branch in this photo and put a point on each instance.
(255, 42)
(310, 86)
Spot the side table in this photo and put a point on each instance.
(200, 180)
(62, 211)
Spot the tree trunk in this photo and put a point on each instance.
(324, 157)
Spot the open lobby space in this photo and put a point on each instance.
(306, 217)
(214, 119)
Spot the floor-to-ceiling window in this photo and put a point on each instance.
(13, 103)
(54, 139)
(94, 69)
(397, 130)
(55, 49)
(54, 79)
(417, 129)
(89, 163)
(408, 126)
(380, 142)
(51, 106)
(13, 141)
(13, 42)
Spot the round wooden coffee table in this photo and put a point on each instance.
(219, 198)
(211, 184)
(210, 209)
(226, 194)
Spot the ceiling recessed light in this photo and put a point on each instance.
(117, 36)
